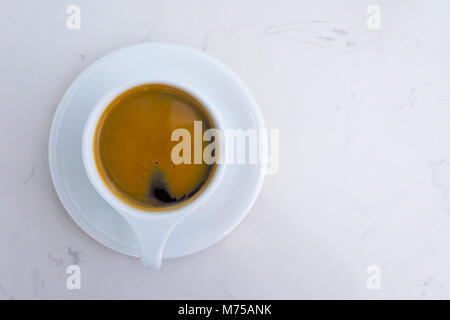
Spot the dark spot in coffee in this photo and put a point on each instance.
(163, 196)
(159, 191)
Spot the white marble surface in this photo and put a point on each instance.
(365, 156)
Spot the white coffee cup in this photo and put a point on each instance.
(152, 228)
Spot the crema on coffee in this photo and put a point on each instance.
(133, 147)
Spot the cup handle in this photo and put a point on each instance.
(152, 233)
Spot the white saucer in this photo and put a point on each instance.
(214, 219)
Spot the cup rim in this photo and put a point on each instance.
(100, 185)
